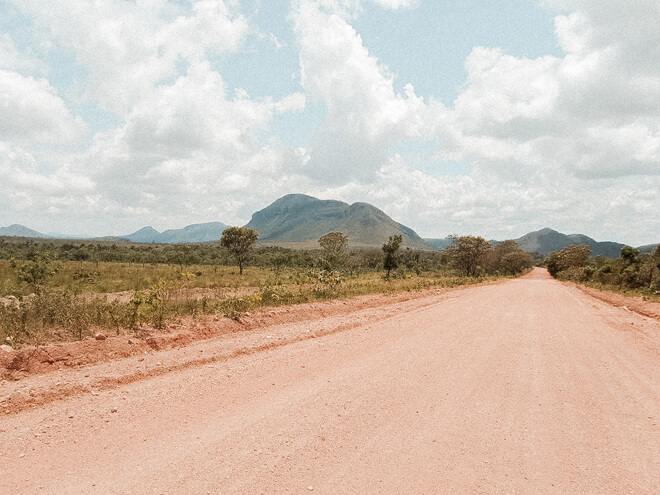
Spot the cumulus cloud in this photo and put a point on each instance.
(504, 209)
(23, 62)
(365, 116)
(188, 145)
(548, 140)
(397, 4)
(32, 111)
(127, 48)
(592, 113)
(27, 188)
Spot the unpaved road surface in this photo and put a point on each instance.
(529, 386)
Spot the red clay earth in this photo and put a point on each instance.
(526, 386)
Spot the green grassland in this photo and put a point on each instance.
(68, 290)
(82, 297)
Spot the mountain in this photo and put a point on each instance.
(439, 244)
(648, 248)
(546, 240)
(200, 232)
(20, 231)
(145, 234)
(297, 220)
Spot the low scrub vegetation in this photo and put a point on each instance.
(632, 272)
(48, 294)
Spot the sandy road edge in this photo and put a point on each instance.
(201, 343)
(635, 304)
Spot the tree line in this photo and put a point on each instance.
(471, 256)
(631, 270)
(467, 255)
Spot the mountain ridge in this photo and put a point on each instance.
(16, 230)
(302, 219)
(285, 231)
(194, 233)
(547, 240)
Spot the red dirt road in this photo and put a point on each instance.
(529, 386)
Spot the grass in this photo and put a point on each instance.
(105, 277)
(646, 293)
(73, 304)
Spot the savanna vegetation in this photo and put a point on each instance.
(65, 290)
(631, 273)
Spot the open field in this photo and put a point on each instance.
(523, 386)
(82, 298)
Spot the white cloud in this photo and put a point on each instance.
(24, 62)
(501, 209)
(27, 189)
(365, 116)
(593, 113)
(551, 140)
(127, 48)
(397, 4)
(188, 147)
(32, 111)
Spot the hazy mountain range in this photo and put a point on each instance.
(199, 232)
(297, 221)
(20, 231)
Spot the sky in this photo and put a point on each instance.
(481, 117)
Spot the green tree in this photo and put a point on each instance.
(515, 262)
(569, 258)
(390, 249)
(334, 246)
(40, 268)
(655, 265)
(499, 251)
(630, 255)
(469, 254)
(239, 241)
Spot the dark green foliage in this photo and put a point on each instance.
(390, 249)
(568, 259)
(632, 270)
(469, 254)
(239, 241)
(507, 259)
(38, 269)
(630, 255)
(515, 262)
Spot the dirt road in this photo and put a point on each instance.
(529, 386)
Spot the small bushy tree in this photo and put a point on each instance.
(390, 249)
(630, 255)
(334, 246)
(569, 258)
(515, 262)
(40, 268)
(469, 254)
(239, 242)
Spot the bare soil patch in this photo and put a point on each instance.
(36, 375)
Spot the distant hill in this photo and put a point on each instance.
(200, 232)
(546, 240)
(16, 230)
(438, 244)
(648, 248)
(297, 220)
